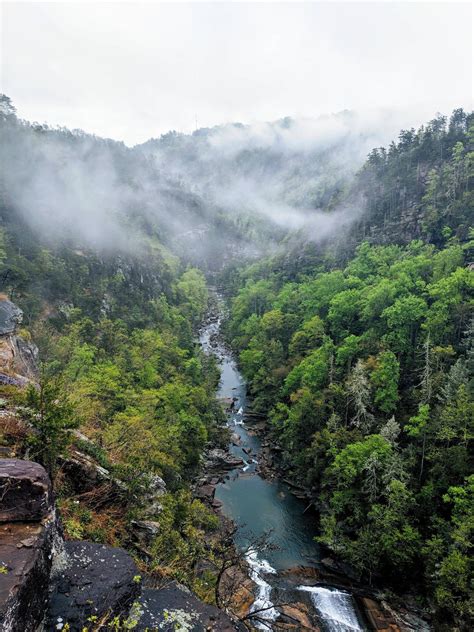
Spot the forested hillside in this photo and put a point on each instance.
(121, 380)
(122, 384)
(350, 293)
(364, 364)
(80, 191)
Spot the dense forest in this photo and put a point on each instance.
(121, 378)
(364, 364)
(355, 335)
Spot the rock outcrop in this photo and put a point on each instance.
(28, 533)
(46, 583)
(25, 491)
(97, 582)
(176, 608)
(18, 357)
(85, 474)
(10, 316)
(221, 460)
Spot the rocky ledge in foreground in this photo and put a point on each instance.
(46, 583)
(28, 534)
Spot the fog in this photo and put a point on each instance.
(232, 188)
(288, 172)
(135, 70)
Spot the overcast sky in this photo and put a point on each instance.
(134, 70)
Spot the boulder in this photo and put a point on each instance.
(221, 460)
(98, 581)
(206, 493)
(25, 490)
(83, 472)
(145, 530)
(175, 608)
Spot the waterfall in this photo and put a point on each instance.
(257, 569)
(335, 607)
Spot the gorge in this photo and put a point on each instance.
(274, 531)
(331, 394)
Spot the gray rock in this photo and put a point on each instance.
(25, 490)
(18, 360)
(8, 380)
(25, 361)
(145, 530)
(174, 607)
(10, 317)
(218, 459)
(25, 558)
(98, 581)
(206, 492)
(154, 487)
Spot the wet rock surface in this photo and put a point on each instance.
(296, 617)
(25, 559)
(25, 491)
(98, 580)
(175, 608)
(27, 534)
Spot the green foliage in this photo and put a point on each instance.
(51, 415)
(385, 379)
(365, 374)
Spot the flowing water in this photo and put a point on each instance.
(262, 507)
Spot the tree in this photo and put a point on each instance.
(358, 387)
(403, 320)
(7, 109)
(417, 427)
(385, 378)
(52, 417)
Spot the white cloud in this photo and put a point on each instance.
(135, 70)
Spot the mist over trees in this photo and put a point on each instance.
(348, 269)
(363, 362)
(207, 196)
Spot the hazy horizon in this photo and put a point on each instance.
(135, 71)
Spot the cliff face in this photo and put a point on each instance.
(46, 583)
(28, 532)
(18, 357)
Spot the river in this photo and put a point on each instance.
(259, 506)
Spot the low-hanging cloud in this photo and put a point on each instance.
(288, 172)
(290, 175)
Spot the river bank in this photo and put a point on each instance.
(295, 585)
